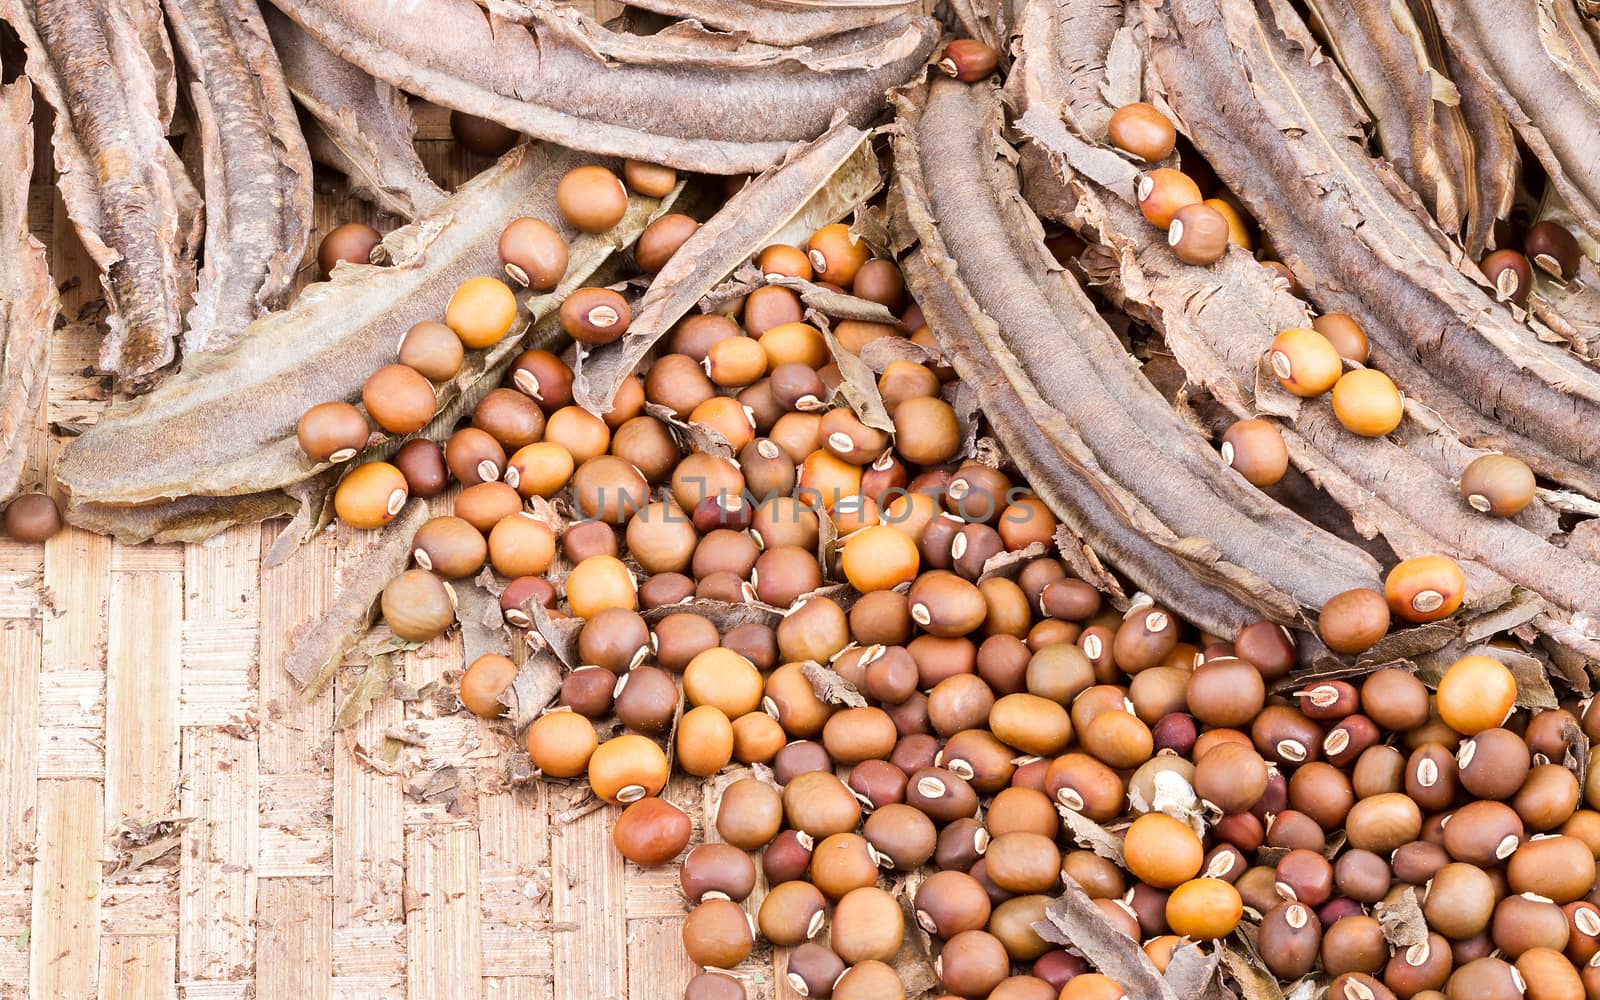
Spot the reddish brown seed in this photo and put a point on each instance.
(661, 239)
(1255, 448)
(1162, 192)
(483, 136)
(398, 399)
(651, 831)
(533, 253)
(352, 242)
(1509, 274)
(32, 517)
(1198, 234)
(591, 198)
(968, 60)
(1143, 131)
(333, 432)
(595, 315)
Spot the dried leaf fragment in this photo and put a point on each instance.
(257, 169)
(1072, 919)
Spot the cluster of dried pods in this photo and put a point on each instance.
(737, 518)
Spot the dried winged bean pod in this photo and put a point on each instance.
(1356, 245)
(1037, 423)
(28, 300)
(1540, 61)
(225, 424)
(147, 19)
(998, 251)
(133, 207)
(366, 126)
(183, 519)
(1413, 103)
(783, 22)
(1481, 133)
(257, 170)
(685, 97)
(817, 184)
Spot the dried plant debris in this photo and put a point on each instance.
(483, 627)
(1073, 920)
(783, 22)
(1541, 62)
(225, 424)
(317, 647)
(257, 169)
(363, 125)
(1203, 513)
(817, 184)
(134, 208)
(28, 299)
(683, 96)
(371, 687)
(1286, 139)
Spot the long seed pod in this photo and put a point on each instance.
(28, 300)
(817, 184)
(1480, 131)
(133, 207)
(1543, 65)
(1277, 135)
(225, 424)
(1215, 530)
(257, 169)
(685, 97)
(783, 22)
(366, 125)
(1412, 102)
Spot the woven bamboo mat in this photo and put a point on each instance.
(176, 822)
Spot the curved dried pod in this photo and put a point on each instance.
(365, 125)
(1358, 246)
(1543, 65)
(125, 190)
(1481, 128)
(168, 444)
(152, 29)
(557, 74)
(1224, 542)
(783, 22)
(818, 183)
(28, 299)
(257, 169)
(1414, 103)
(1219, 321)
